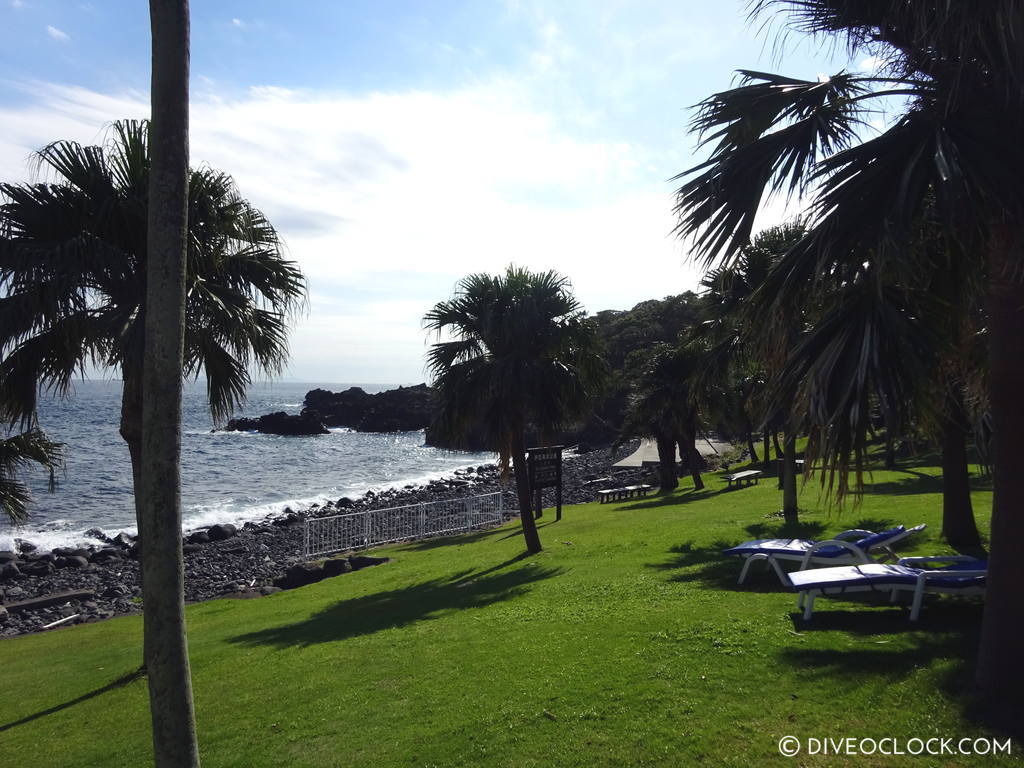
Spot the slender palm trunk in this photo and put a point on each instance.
(158, 505)
(766, 467)
(775, 441)
(789, 501)
(1000, 672)
(668, 475)
(958, 524)
(522, 476)
(131, 419)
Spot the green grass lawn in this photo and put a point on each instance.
(626, 642)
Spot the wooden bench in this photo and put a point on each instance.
(747, 477)
(627, 492)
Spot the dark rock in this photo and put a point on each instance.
(337, 566)
(198, 537)
(72, 561)
(269, 590)
(38, 568)
(404, 409)
(190, 548)
(7, 557)
(107, 555)
(222, 532)
(365, 561)
(9, 570)
(122, 540)
(300, 575)
(24, 547)
(3, 615)
(280, 423)
(14, 593)
(344, 502)
(96, 533)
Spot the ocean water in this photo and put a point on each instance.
(226, 476)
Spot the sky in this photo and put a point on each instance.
(399, 146)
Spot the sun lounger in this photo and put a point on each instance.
(849, 547)
(959, 576)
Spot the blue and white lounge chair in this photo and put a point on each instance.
(959, 576)
(852, 546)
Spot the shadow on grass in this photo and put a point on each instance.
(708, 566)
(447, 541)
(670, 499)
(120, 682)
(400, 607)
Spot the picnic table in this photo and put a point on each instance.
(747, 477)
(626, 492)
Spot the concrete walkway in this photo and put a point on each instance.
(647, 453)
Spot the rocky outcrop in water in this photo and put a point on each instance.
(280, 423)
(405, 409)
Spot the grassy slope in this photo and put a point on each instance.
(628, 631)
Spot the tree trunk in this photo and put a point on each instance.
(131, 418)
(767, 466)
(1000, 661)
(158, 506)
(688, 449)
(958, 524)
(522, 476)
(668, 475)
(775, 440)
(789, 505)
(750, 443)
(890, 451)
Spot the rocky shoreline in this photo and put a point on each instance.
(40, 590)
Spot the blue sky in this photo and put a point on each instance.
(398, 146)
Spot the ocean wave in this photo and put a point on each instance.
(63, 532)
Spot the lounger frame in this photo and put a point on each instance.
(805, 597)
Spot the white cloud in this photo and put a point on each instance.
(872, 64)
(18, 4)
(56, 34)
(387, 199)
(237, 23)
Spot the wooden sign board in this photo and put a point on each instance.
(545, 470)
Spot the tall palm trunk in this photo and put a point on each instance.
(1000, 672)
(958, 524)
(766, 467)
(789, 500)
(158, 505)
(668, 475)
(522, 476)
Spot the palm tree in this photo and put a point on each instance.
(73, 265)
(17, 453)
(158, 465)
(739, 335)
(958, 72)
(522, 354)
(665, 406)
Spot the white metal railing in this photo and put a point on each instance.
(359, 530)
